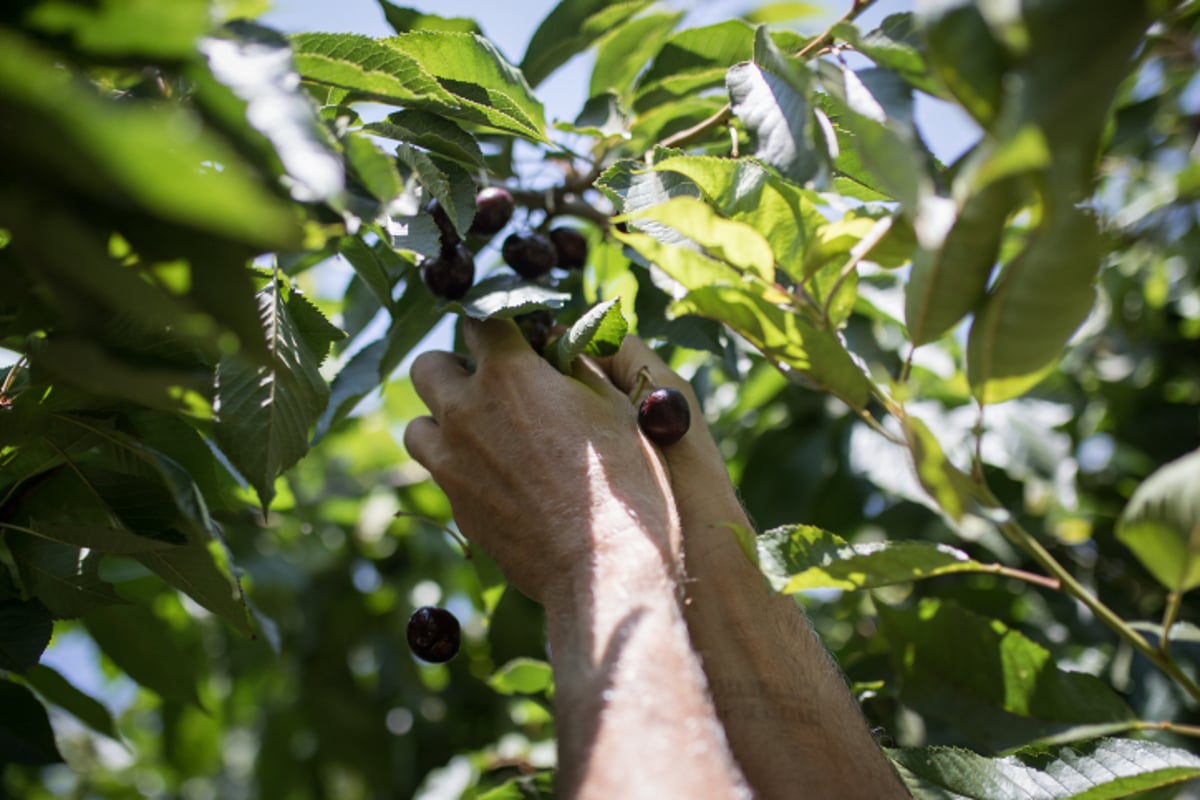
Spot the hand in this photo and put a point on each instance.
(545, 472)
(704, 496)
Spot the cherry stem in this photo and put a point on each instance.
(458, 538)
(643, 379)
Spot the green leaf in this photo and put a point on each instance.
(623, 52)
(486, 89)
(145, 647)
(25, 629)
(25, 733)
(799, 557)
(1041, 297)
(523, 676)
(370, 267)
(689, 267)
(772, 13)
(367, 67)
(771, 97)
(314, 327)
(570, 28)
(108, 539)
(56, 689)
(599, 332)
(432, 132)
(743, 190)
(81, 362)
(203, 570)
(264, 413)
(64, 578)
(897, 44)
(507, 296)
(600, 117)
(949, 278)
(995, 685)
(124, 28)
(404, 19)
(951, 488)
(1161, 523)
(375, 170)
(414, 316)
(966, 58)
(691, 60)
(445, 182)
(255, 64)
(736, 243)
(784, 337)
(1096, 770)
(875, 107)
(118, 153)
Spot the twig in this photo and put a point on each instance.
(559, 200)
(1023, 539)
(458, 538)
(826, 38)
(1170, 614)
(857, 253)
(699, 129)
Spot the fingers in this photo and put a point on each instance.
(437, 376)
(493, 337)
(423, 441)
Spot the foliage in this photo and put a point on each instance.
(963, 396)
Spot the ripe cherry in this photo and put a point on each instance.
(531, 255)
(493, 210)
(434, 634)
(664, 416)
(451, 274)
(572, 247)
(535, 327)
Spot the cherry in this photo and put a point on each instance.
(451, 274)
(572, 247)
(664, 416)
(535, 327)
(531, 254)
(493, 210)
(434, 634)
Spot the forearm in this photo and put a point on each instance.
(787, 713)
(632, 713)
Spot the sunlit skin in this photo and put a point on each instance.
(551, 476)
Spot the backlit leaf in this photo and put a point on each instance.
(264, 413)
(799, 557)
(145, 647)
(598, 332)
(1161, 523)
(58, 690)
(995, 685)
(570, 28)
(1038, 301)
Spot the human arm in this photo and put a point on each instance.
(550, 476)
(789, 718)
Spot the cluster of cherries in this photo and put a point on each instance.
(531, 254)
(434, 634)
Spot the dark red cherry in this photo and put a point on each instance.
(451, 273)
(434, 634)
(664, 416)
